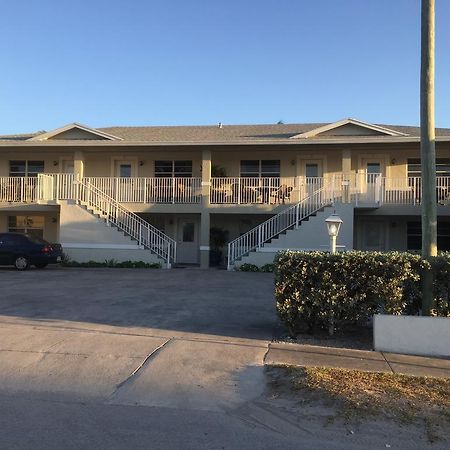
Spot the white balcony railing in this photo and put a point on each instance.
(149, 190)
(19, 189)
(360, 189)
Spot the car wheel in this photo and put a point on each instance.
(41, 265)
(21, 263)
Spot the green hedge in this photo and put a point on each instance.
(254, 268)
(114, 264)
(328, 291)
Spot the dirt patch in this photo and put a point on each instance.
(354, 397)
(358, 338)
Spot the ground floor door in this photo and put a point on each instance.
(188, 236)
(372, 235)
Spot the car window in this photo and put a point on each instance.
(36, 239)
(11, 239)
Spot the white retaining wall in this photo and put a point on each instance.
(413, 335)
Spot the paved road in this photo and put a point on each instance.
(118, 359)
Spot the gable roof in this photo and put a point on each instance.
(375, 129)
(87, 131)
(225, 135)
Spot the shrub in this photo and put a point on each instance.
(248, 268)
(329, 291)
(267, 268)
(113, 264)
(441, 271)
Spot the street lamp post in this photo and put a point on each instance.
(334, 223)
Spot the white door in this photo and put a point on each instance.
(313, 176)
(188, 241)
(372, 181)
(68, 166)
(125, 185)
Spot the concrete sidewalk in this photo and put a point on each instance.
(369, 361)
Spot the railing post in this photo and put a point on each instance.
(173, 190)
(297, 215)
(239, 190)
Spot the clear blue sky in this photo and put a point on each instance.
(172, 62)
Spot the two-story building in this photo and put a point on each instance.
(154, 193)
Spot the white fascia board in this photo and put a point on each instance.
(340, 123)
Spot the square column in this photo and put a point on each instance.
(205, 215)
(78, 165)
(346, 175)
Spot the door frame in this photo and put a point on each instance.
(196, 243)
(116, 160)
(63, 161)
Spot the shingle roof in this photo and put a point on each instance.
(232, 132)
(20, 137)
(215, 134)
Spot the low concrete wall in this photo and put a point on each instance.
(413, 335)
(100, 254)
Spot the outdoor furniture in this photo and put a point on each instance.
(282, 193)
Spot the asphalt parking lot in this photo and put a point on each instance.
(217, 302)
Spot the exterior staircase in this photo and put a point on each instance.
(116, 215)
(282, 231)
(141, 234)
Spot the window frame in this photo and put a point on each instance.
(173, 172)
(260, 172)
(26, 172)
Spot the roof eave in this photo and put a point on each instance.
(288, 142)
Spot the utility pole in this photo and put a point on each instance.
(427, 149)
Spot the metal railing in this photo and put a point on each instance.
(115, 213)
(251, 190)
(271, 228)
(150, 190)
(19, 189)
(360, 188)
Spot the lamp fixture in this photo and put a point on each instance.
(333, 223)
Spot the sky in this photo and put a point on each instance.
(200, 62)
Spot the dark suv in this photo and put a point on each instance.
(22, 250)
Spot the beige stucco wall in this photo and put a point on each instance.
(393, 229)
(101, 161)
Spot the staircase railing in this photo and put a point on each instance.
(115, 213)
(271, 228)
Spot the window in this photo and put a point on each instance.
(173, 169)
(33, 225)
(442, 167)
(260, 168)
(125, 170)
(414, 236)
(312, 170)
(188, 232)
(25, 168)
(373, 169)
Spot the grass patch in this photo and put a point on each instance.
(357, 395)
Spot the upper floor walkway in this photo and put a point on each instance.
(363, 190)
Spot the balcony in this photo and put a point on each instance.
(150, 190)
(360, 189)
